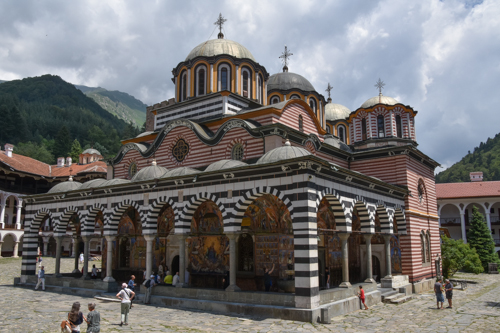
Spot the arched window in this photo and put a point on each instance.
(341, 133)
(295, 96)
(246, 83)
(183, 92)
(132, 169)
(237, 152)
(260, 89)
(399, 127)
(275, 99)
(328, 129)
(421, 191)
(428, 245)
(224, 77)
(381, 126)
(363, 129)
(201, 79)
(312, 104)
(422, 246)
(301, 123)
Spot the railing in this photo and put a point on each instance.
(450, 220)
(496, 240)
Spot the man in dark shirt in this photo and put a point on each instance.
(438, 290)
(327, 276)
(267, 278)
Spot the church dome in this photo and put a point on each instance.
(380, 99)
(182, 171)
(151, 172)
(91, 151)
(288, 81)
(69, 185)
(114, 181)
(224, 164)
(336, 112)
(92, 183)
(214, 47)
(285, 152)
(337, 143)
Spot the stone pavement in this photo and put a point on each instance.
(475, 310)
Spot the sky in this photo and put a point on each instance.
(440, 57)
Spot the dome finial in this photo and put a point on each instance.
(154, 162)
(328, 89)
(285, 56)
(220, 22)
(380, 85)
(287, 143)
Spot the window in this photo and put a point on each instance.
(200, 81)
(399, 127)
(422, 246)
(237, 152)
(301, 124)
(295, 96)
(428, 246)
(421, 192)
(312, 104)
(245, 83)
(224, 77)
(363, 129)
(328, 129)
(132, 169)
(381, 126)
(341, 133)
(180, 150)
(260, 89)
(275, 100)
(183, 92)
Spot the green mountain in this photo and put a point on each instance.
(40, 110)
(485, 158)
(121, 104)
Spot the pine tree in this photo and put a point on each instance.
(76, 150)
(479, 238)
(63, 143)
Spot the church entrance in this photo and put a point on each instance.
(175, 265)
(376, 268)
(124, 252)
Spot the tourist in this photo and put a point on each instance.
(327, 275)
(131, 286)
(40, 261)
(150, 283)
(93, 320)
(268, 282)
(81, 258)
(361, 296)
(41, 278)
(168, 279)
(176, 279)
(449, 293)
(438, 290)
(158, 279)
(95, 270)
(125, 295)
(76, 318)
(160, 270)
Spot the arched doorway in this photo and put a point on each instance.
(165, 242)
(329, 250)
(8, 245)
(175, 265)
(376, 268)
(354, 244)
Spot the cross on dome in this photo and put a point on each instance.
(285, 56)
(380, 85)
(220, 22)
(328, 89)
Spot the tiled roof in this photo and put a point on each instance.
(468, 190)
(98, 166)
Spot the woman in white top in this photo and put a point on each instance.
(125, 295)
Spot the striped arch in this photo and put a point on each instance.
(30, 242)
(366, 215)
(399, 214)
(385, 217)
(88, 223)
(340, 211)
(38, 218)
(62, 224)
(190, 208)
(113, 219)
(248, 197)
(150, 222)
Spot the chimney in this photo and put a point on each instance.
(476, 176)
(60, 162)
(8, 149)
(68, 161)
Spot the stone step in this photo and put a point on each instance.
(389, 293)
(403, 299)
(394, 296)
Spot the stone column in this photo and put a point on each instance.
(86, 253)
(232, 262)
(58, 255)
(488, 219)
(109, 259)
(16, 250)
(182, 260)
(369, 273)
(1, 249)
(2, 213)
(45, 246)
(387, 250)
(462, 226)
(149, 254)
(18, 216)
(75, 254)
(345, 260)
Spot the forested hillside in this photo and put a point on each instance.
(45, 116)
(485, 158)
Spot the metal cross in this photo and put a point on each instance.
(285, 56)
(380, 85)
(220, 22)
(328, 89)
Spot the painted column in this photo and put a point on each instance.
(236, 81)
(149, 254)
(58, 255)
(182, 260)
(211, 78)
(16, 250)
(345, 260)
(462, 226)
(86, 253)
(19, 212)
(232, 262)
(369, 273)
(75, 254)
(387, 250)
(488, 220)
(109, 259)
(2, 214)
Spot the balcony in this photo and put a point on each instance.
(497, 240)
(450, 221)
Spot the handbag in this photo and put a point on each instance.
(65, 326)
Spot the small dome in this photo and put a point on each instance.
(337, 143)
(92, 183)
(91, 151)
(151, 172)
(288, 81)
(285, 152)
(214, 47)
(380, 99)
(66, 186)
(114, 181)
(182, 171)
(336, 112)
(224, 164)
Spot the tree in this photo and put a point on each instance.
(479, 238)
(63, 143)
(33, 150)
(457, 256)
(76, 150)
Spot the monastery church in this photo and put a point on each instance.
(242, 171)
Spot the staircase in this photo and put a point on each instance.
(392, 296)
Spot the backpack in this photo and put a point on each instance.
(148, 283)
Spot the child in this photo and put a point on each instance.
(361, 296)
(93, 319)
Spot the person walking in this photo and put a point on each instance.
(449, 293)
(76, 318)
(125, 295)
(93, 320)
(361, 295)
(40, 261)
(150, 283)
(438, 290)
(268, 282)
(131, 286)
(41, 278)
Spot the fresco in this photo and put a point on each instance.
(269, 214)
(165, 223)
(325, 217)
(207, 219)
(209, 254)
(396, 256)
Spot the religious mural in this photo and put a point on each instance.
(268, 214)
(396, 255)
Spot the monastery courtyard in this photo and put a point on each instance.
(475, 310)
